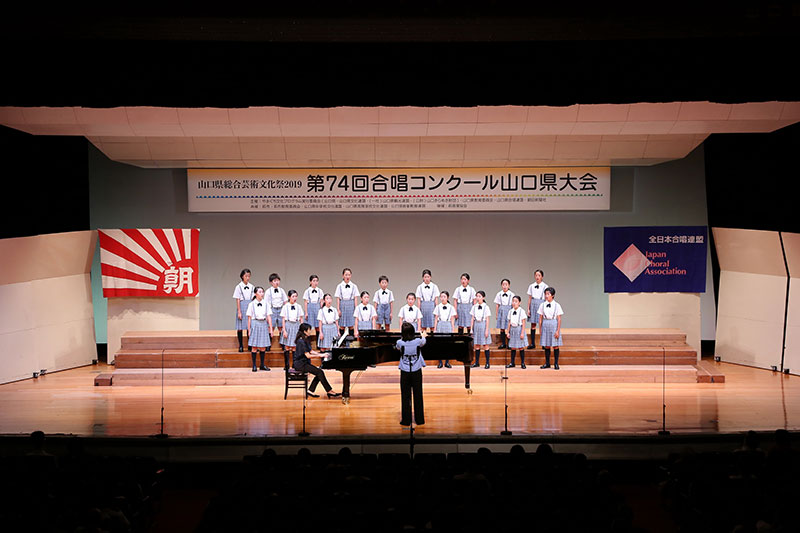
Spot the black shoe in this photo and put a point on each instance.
(255, 369)
(486, 365)
(334, 394)
(476, 364)
(448, 365)
(510, 365)
(531, 347)
(264, 368)
(440, 365)
(545, 366)
(502, 346)
(522, 366)
(241, 348)
(555, 367)
(311, 394)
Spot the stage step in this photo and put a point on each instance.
(198, 358)
(103, 379)
(389, 375)
(710, 372)
(572, 337)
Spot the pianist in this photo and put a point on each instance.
(411, 363)
(302, 363)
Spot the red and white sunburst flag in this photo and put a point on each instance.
(149, 262)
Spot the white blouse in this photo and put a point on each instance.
(516, 316)
(258, 310)
(328, 315)
(464, 295)
(444, 312)
(536, 290)
(313, 295)
(411, 314)
(480, 314)
(293, 315)
(550, 310)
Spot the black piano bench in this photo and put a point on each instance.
(295, 379)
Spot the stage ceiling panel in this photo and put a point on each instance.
(280, 137)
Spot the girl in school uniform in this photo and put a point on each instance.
(259, 327)
(550, 326)
(463, 298)
(243, 294)
(292, 316)
(411, 363)
(410, 313)
(365, 315)
(346, 299)
(277, 298)
(302, 363)
(444, 320)
(481, 332)
(516, 331)
(535, 299)
(312, 299)
(384, 301)
(328, 320)
(427, 292)
(502, 305)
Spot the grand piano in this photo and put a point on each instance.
(374, 347)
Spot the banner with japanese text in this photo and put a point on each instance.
(161, 263)
(376, 190)
(655, 259)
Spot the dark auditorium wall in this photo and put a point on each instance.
(749, 179)
(45, 184)
(568, 246)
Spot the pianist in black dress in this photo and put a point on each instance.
(411, 363)
(302, 363)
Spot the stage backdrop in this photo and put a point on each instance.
(752, 297)
(46, 313)
(654, 276)
(151, 280)
(156, 263)
(791, 245)
(567, 245)
(655, 259)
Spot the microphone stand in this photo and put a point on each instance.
(505, 432)
(663, 432)
(161, 434)
(304, 433)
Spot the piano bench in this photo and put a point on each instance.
(295, 380)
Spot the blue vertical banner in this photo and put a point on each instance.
(655, 258)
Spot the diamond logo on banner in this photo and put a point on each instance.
(632, 262)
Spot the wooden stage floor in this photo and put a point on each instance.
(68, 403)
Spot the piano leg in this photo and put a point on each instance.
(346, 385)
(466, 377)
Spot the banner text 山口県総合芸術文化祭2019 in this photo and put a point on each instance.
(655, 258)
(398, 190)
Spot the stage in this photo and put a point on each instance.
(541, 403)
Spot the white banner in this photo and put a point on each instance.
(371, 190)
